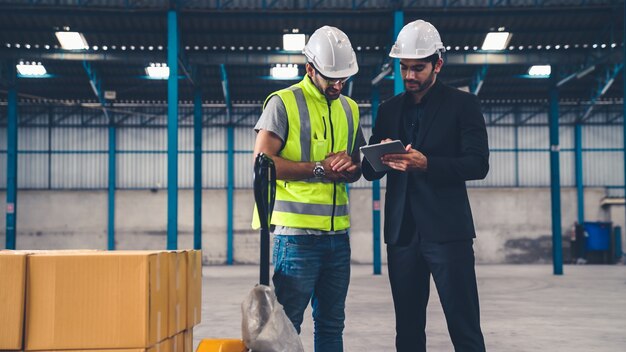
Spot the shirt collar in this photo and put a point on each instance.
(427, 97)
(312, 90)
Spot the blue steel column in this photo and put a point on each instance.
(398, 23)
(230, 193)
(172, 130)
(398, 87)
(230, 167)
(376, 193)
(555, 180)
(11, 209)
(112, 184)
(197, 169)
(580, 190)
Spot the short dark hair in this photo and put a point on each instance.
(432, 58)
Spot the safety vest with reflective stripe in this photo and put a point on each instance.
(315, 130)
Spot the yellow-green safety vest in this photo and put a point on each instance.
(315, 129)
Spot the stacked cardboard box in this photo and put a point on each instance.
(91, 300)
(12, 286)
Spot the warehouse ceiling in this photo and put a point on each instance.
(241, 40)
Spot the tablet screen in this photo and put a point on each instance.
(374, 152)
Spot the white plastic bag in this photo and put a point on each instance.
(265, 326)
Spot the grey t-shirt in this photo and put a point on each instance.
(274, 119)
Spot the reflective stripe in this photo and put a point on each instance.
(305, 124)
(310, 209)
(348, 110)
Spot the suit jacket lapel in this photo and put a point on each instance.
(430, 111)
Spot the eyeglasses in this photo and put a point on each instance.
(333, 81)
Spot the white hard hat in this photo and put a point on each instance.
(330, 52)
(417, 40)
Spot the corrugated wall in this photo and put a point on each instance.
(76, 158)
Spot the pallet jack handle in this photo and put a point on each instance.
(264, 197)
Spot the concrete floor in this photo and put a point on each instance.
(524, 308)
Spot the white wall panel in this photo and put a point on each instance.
(142, 170)
(31, 138)
(214, 138)
(79, 139)
(501, 170)
(214, 170)
(501, 137)
(79, 171)
(603, 168)
(32, 170)
(531, 137)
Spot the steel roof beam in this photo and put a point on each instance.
(312, 4)
(603, 86)
(478, 79)
(570, 57)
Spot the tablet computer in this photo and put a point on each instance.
(374, 152)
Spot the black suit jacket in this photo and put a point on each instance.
(453, 137)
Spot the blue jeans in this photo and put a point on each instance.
(317, 269)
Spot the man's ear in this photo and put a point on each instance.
(438, 65)
(309, 69)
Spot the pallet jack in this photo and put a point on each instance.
(264, 196)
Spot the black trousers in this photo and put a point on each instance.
(452, 267)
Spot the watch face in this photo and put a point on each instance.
(318, 171)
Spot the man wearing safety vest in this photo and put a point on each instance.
(313, 134)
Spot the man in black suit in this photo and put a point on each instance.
(428, 221)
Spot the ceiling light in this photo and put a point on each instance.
(281, 71)
(293, 41)
(72, 40)
(158, 71)
(496, 40)
(540, 70)
(31, 69)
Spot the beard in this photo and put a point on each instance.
(415, 86)
(331, 93)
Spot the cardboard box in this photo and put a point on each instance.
(178, 343)
(188, 340)
(163, 346)
(194, 288)
(96, 300)
(12, 295)
(177, 292)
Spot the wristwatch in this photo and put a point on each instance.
(318, 170)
